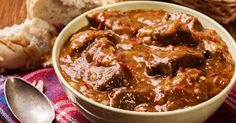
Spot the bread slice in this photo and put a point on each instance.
(25, 44)
(61, 11)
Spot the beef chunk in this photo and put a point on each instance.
(105, 19)
(194, 25)
(101, 52)
(81, 40)
(172, 60)
(128, 99)
(107, 78)
(188, 87)
(117, 21)
(173, 32)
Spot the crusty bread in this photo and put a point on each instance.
(80, 4)
(52, 11)
(25, 44)
(61, 11)
(84, 3)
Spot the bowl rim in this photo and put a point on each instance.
(117, 110)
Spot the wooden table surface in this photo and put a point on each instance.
(14, 12)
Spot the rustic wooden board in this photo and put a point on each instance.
(14, 12)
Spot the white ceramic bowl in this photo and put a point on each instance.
(99, 113)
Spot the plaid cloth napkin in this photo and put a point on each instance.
(66, 112)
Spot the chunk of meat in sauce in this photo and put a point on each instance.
(109, 20)
(187, 88)
(174, 36)
(102, 52)
(173, 32)
(82, 40)
(211, 41)
(108, 78)
(167, 62)
(128, 99)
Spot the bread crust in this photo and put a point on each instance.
(53, 11)
(61, 11)
(24, 45)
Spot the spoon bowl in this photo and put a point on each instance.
(27, 103)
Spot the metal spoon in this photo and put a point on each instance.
(27, 103)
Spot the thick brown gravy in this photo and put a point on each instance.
(146, 60)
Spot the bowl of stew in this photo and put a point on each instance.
(145, 62)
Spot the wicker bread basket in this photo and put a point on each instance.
(223, 11)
